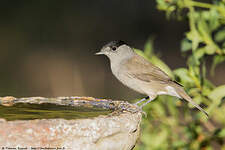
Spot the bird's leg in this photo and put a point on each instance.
(150, 99)
(143, 99)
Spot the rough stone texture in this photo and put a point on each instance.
(117, 131)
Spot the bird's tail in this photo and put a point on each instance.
(185, 96)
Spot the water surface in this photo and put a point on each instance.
(23, 111)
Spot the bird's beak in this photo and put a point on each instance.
(99, 53)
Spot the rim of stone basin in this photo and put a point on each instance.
(114, 106)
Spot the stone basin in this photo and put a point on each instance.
(79, 123)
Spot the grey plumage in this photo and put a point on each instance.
(141, 75)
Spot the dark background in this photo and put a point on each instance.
(47, 47)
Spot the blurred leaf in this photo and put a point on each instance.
(170, 10)
(199, 53)
(159, 109)
(179, 143)
(216, 60)
(193, 60)
(148, 48)
(218, 93)
(222, 133)
(186, 45)
(209, 84)
(194, 73)
(203, 77)
(141, 53)
(171, 104)
(218, 114)
(206, 89)
(195, 38)
(161, 138)
(203, 28)
(213, 19)
(210, 49)
(223, 46)
(220, 36)
(182, 73)
(194, 91)
(193, 35)
(205, 15)
(206, 36)
(162, 5)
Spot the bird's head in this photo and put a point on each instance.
(116, 50)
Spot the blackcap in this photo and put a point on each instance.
(140, 75)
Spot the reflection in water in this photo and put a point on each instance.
(48, 111)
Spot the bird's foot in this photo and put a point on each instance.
(141, 106)
(140, 109)
(146, 103)
(143, 99)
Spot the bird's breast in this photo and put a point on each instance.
(123, 76)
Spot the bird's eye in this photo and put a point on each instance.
(113, 48)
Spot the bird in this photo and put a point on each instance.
(137, 73)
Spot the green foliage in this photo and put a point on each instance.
(170, 123)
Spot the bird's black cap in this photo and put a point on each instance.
(115, 44)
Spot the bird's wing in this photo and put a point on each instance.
(144, 70)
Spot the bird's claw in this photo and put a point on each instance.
(140, 109)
